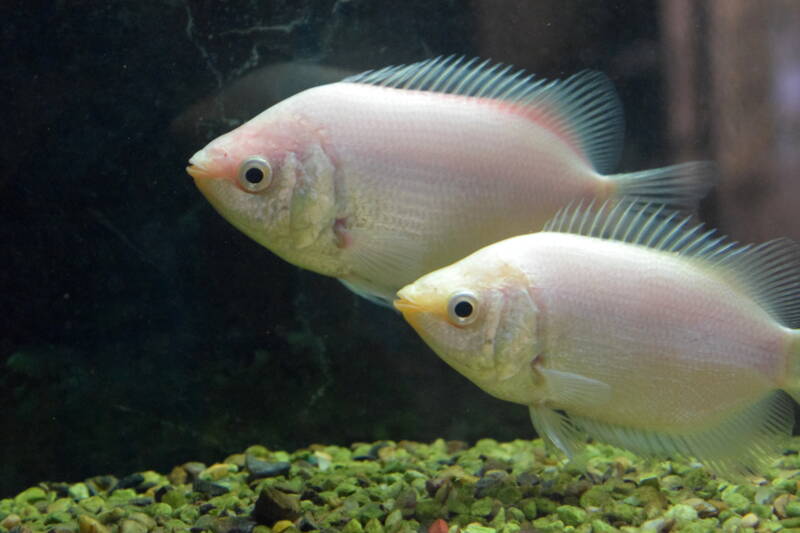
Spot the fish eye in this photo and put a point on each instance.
(462, 308)
(255, 174)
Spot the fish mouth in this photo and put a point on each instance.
(199, 172)
(407, 306)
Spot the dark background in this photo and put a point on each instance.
(139, 329)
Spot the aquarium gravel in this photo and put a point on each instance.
(394, 487)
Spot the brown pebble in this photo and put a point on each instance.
(455, 446)
(144, 519)
(216, 471)
(178, 476)
(132, 526)
(87, 524)
(193, 468)
(704, 509)
(750, 520)
(236, 459)
(11, 521)
(780, 504)
(273, 505)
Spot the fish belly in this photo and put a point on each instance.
(680, 347)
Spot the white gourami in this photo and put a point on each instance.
(424, 164)
(651, 334)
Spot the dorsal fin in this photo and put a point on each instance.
(769, 272)
(584, 107)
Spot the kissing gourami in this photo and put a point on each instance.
(387, 175)
(631, 325)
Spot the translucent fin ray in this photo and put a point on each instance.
(742, 444)
(679, 185)
(584, 106)
(769, 272)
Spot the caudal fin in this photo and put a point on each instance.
(678, 186)
(792, 385)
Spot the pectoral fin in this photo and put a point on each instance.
(567, 389)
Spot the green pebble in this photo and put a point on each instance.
(700, 526)
(373, 526)
(571, 515)
(499, 519)
(160, 509)
(353, 526)
(509, 494)
(175, 525)
(121, 496)
(61, 504)
(598, 526)
(624, 513)
(510, 528)
(517, 514)
(187, 513)
(458, 501)
(58, 517)
(476, 528)
(393, 520)
(546, 524)
(112, 515)
(482, 507)
(654, 526)
(281, 457)
(428, 509)
(370, 510)
(346, 489)
(31, 495)
(785, 485)
(649, 480)
(175, 498)
(793, 508)
(93, 504)
(132, 526)
(732, 524)
(681, 513)
(737, 502)
(262, 529)
(597, 496)
(143, 519)
(78, 491)
(228, 500)
(530, 508)
(672, 482)
(258, 451)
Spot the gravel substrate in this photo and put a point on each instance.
(405, 486)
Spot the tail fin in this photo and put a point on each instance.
(792, 385)
(679, 186)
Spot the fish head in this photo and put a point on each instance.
(480, 318)
(272, 179)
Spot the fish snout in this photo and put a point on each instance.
(199, 172)
(406, 306)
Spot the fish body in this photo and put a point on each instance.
(388, 175)
(624, 324)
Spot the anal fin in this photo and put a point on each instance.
(741, 444)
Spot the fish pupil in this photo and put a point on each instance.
(254, 175)
(463, 309)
